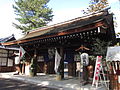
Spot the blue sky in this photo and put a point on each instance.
(67, 9)
(62, 9)
(67, 4)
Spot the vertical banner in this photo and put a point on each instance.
(57, 61)
(97, 71)
(21, 52)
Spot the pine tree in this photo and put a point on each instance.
(100, 47)
(96, 5)
(32, 14)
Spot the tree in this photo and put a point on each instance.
(100, 47)
(96, 5)
(32, 14)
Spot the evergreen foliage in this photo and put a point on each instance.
(32, 14)
(96, 5)
(100, 47)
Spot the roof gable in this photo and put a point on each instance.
(7, 39)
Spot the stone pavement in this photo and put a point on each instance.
(50, 81)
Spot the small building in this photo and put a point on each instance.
(66, 37)
(6, 55)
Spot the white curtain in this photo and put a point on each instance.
(57, 61)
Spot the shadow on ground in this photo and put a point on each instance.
(8, 84)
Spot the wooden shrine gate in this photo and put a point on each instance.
(67, 36)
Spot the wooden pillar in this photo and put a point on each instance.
(35, 61)
(7, 58)
(48, 67)
(72, 69)
(53, 64)
(51, 67)
(62, 63)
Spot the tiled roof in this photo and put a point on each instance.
(64, 26)
(9, 38)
